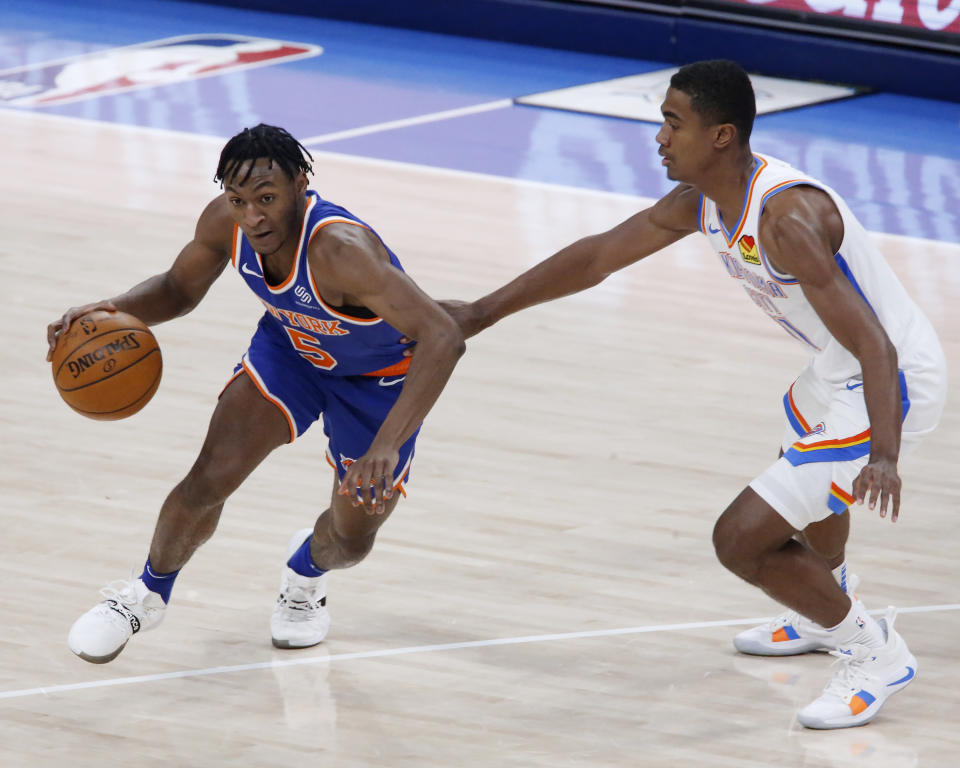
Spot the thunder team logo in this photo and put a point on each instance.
(748, 250)
(145, 65)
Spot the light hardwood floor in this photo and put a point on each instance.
(546, 596)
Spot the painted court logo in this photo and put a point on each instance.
(145, 65)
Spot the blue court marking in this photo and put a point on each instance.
(894, 158)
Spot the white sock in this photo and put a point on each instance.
(840, 574)
(858, 628)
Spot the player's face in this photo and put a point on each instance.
(268, 205)
(686, 144)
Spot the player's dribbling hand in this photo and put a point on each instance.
(369, 480)
(879, 480)
(61, 326)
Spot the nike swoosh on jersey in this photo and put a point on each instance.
(247, 270)
(854, 386)
(384, 383)
(711, 230)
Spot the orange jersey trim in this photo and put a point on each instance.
(235, 246)
(843, 442)
(272, 399)
(841, 494)
(392, 370)
(746, 206)
(796, 411)
(296, 262)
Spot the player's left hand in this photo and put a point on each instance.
(879, 479)
(369, 480)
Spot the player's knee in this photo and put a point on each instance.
(732, 545)
(353, 549)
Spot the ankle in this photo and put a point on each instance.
(161, 583)
(858, 628)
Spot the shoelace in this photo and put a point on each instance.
(299, 610)
(790, 617)
(120, 590)
(299, 604)
(851, 674)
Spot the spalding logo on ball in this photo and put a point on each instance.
(107, 365)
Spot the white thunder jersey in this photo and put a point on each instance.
(781, 297)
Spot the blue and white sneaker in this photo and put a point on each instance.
(864, 680)
(789, 634)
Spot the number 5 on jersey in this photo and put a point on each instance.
(309, 348)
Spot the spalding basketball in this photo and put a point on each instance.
(107, 365)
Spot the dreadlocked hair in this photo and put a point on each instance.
(262, 141)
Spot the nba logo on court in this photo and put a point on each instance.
(145, 65)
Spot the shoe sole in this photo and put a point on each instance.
(99, 659)
(787, 648)
(286, 644)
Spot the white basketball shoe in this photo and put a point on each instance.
(300, 617)
(864, 679)
(789, 634)
(102, 632)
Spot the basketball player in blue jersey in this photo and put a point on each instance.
(875, 384)
(337, 304)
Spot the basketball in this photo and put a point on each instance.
(107, 365)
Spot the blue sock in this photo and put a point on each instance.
(161, 583)
(301, 562)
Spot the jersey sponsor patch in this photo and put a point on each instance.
(144, 65)
(748, 250)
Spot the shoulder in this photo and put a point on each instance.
(215, 226)
(802, 199)
(342, 238)
(803, 210)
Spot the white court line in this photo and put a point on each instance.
(52, 689)
(432, 117)
(342, 157)
(639, 200)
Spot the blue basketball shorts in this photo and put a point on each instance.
(353, 407)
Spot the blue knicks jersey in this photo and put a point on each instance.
(326, 337)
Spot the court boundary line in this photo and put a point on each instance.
(346, 157)
(408, 650)
(640, 201)
(389, 125)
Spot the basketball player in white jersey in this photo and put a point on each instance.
(876, 381)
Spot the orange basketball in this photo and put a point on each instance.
(107, 365)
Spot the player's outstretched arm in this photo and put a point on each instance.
(351, 266)
(801, 230)
(178, 290)
(586, 262)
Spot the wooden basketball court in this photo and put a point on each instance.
(547, 595)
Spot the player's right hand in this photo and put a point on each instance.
(61, 326)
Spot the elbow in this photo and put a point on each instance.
(450, 338)
(455, 343)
